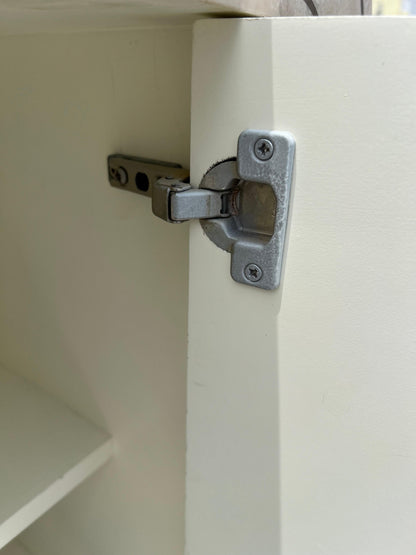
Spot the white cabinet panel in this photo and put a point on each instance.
(232, 452)
(93, 288)
(14, 548)
(301, 421)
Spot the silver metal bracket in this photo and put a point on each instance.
(173, 199)
(242, 203)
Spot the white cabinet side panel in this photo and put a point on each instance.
(40, 16)
(346, 329)
(232, 451)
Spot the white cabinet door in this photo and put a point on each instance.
(301, 401)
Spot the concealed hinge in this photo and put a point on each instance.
(242, 203)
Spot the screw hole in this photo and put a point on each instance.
(142, 182)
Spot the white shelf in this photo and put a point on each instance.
(46, 450)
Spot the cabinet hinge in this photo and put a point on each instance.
(242, 203)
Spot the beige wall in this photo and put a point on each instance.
(93, 288)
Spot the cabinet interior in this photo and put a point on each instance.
(93, 289)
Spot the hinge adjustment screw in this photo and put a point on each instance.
(263, 149)
(253, 272)
(120, 175)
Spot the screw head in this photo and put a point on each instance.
(120, 175)
(253, 272)
(263, 149)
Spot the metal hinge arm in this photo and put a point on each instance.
(176, 202)
(173, 199)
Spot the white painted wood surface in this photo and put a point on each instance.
(93, 287)
(232, 432)
(52, 16)
(301, 420)
(14, 548)
(46, 451)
